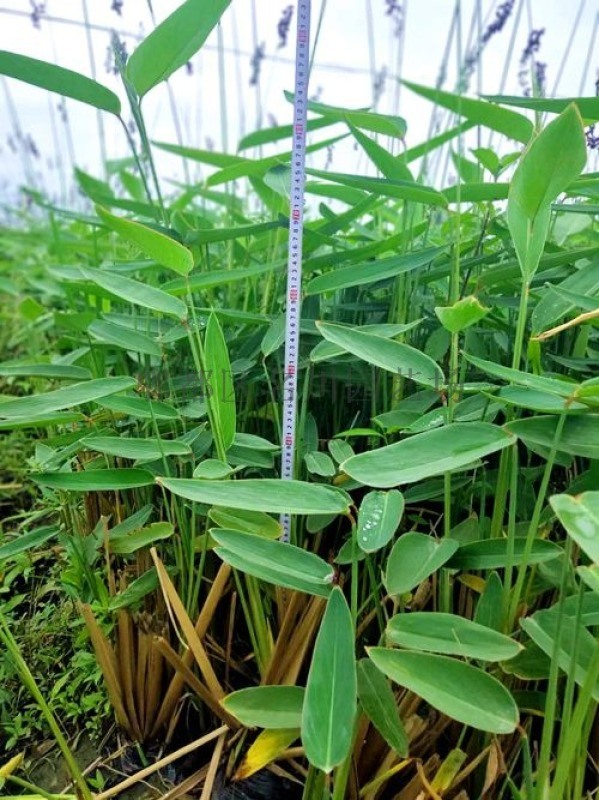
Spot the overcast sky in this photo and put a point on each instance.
(358, 40)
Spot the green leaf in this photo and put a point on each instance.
(274, 561)
(383, 187)
(579, 514)
(462, 314)
(125, 338)
(359, 118)
(137, 293)
(379, 704)
(27, 541)
(480, 112)
(135, 591)
(57, 79)
(265, 494)
(395, 357)
(371, 271)
(95, 480)
(495, 553)
(57, 419)
(579, 436)
(461, 691)
(139, 407)
(136, 449)
(413, 558)
(378, 519)
(450, 634)
(330, 704)
(588, 106)
(320, 464)
(75, 395)
(561, 388)
(173, 43)
(576, 648)
(152, 243)
(220, 378)
(392, 167)
(325, 350)
(489, 610)
(127, 543)
(551, 162)
(212, 470)
(256, 522)
(272, 707)
(67, 372)
(426, 454)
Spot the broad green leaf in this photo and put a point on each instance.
(378, 519)
(152, 243)
(590, 576)
(125, 338)
(330, 704)
(173, 43)
(212, 469)
(535, 400)
(489, 611)
(579, 514)
(414, 557)
(272, 707)
(496, 553)
(576, 648)
(426, 454)
(392, 167)
(75, 395)
(383, 187)
(220, 379)
(125, 544)
(256, 522)
(554, 158)
(200, 281)
(325, 350)
(554, 305)
(561, 388)
(587, 106)
(137, 293)
(359, 118)
(265, 494)
(450, 634)
(395, 357)
(462, 314)
(139, 407)
(274, 561)
(371, 271)
(27, 541)
(57, 419)
(274, 336)
(459, 690)
(480, 112)
(135, 591)
(379, 704)
(57, 79)
(95, 480)
(258, 167)
(67, 372)
(277, 132)
(579, 436)
(476, 192)
(318, 463)
(136, 449)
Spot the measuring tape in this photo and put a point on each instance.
(294, 264)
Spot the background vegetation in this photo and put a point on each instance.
(430, 631)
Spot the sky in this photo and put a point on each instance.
(359, 53)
